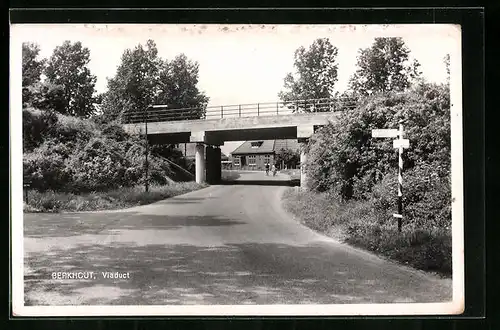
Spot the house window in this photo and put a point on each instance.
(252, 161)
(267, 159)
(236, 161)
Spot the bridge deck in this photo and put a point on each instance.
(232, 129)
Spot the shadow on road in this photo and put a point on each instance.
(76, 224)
(286, 183)
(247, 273)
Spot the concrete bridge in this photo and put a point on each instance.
(255, 122)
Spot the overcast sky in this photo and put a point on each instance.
(241, 63)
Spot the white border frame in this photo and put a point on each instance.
(448, 308)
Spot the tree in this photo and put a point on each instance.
(385, 66)
(32, 69)
(178, 89)
(67, 67)
(47, 96)
(143, 79)
(133, 87)
(288, 157)
(315, 76)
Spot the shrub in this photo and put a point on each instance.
(36, 125)
(115, 132)
(45, 167)
(343, 156)
(99, 165)
(426, 197)
(73, 129)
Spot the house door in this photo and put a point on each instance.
(243, 161)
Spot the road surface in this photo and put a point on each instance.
(225, 244)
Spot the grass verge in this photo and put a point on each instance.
(358, 224)
(50, 201)
(230, 175)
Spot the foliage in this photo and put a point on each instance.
(345, 158)
(46, 96)
(316, 73)
(385, 66)
(178, 80)
(45, 167)
(99, 165)
(426, 197)
(65, 153)
(143, 79)
(136, 81)
(36, 125)
(288, 157)
(32, 68)
(67, 67)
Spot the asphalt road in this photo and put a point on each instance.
(225, 244)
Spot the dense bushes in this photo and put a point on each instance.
(345, 160)
(69, 154)
(343, 156)
(354, 176)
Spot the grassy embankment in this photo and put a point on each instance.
(356, 223)
(77, 164)
(50, 201)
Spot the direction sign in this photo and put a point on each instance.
(380, 133)
(405, 143)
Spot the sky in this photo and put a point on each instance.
(241, 63)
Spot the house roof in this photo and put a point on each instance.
(286, 144)
(266, 147)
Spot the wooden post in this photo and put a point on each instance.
(258, 111)
(222, 111)
(147, 150)
(400, 177)
(277, 107)
(239, 109)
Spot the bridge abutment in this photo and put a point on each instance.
(213, 164)
(304, 132)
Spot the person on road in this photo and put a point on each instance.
(274, 170)
(267, 169)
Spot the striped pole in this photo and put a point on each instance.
(400, 178)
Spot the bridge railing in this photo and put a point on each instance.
(160, 113)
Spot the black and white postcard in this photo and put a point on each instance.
(207, 169)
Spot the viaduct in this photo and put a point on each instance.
(210, 133)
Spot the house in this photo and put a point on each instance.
(254, 155)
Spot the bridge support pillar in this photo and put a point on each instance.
(213, 161)
(213, 164)
(200, 163)
(217, 168)
(304, 132)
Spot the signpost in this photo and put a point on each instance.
(399, 144)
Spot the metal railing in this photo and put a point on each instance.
(160, 113)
